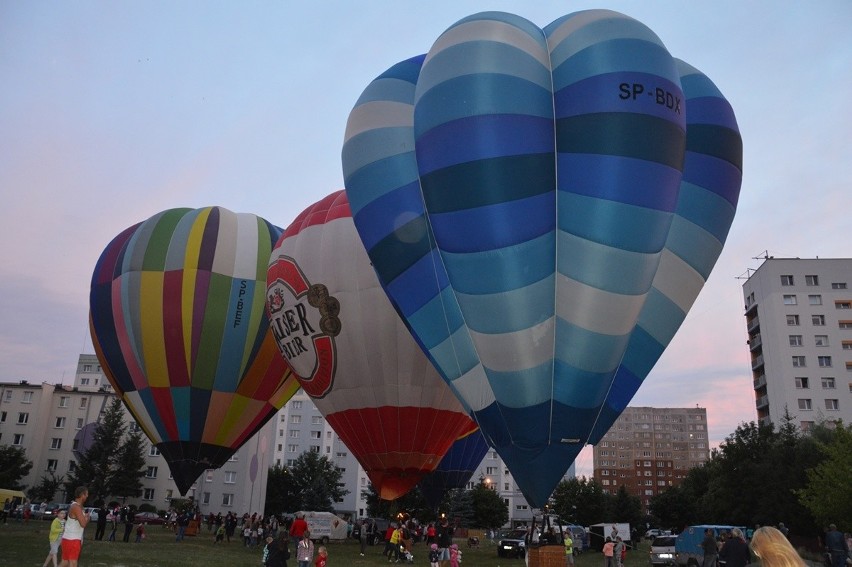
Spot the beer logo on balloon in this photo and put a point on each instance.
(304, 321)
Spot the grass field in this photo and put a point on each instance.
(26, 546)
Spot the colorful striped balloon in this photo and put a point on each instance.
(352, 353)
(178, 323)
(515, 189)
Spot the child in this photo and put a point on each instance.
(455, 555)
(140, 532)
(246, 535)
(434, 555)
(55, 537)
(305, 550)
(322, 556)
(405, 554)
(220, 534)
(267, 549)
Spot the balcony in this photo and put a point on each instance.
(753, 324)
(757, 362)
(755, 342)
(760, 382)
(762, 402)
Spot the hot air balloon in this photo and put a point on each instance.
(518, 192)
(353, 355)
(457, 466)
(178, 321)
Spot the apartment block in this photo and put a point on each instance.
(799, 322)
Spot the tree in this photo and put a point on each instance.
(14, 466)
(489, 510)
(108, 466)
(459, 506)
(314, 484)
(282, 495)
(828, 493)
(45, 491)
(626, 508)
(581, 500)
(131, 467)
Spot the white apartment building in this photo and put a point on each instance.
(799, 321)
(648, 450)
(51, 421)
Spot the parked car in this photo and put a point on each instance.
(662, 550)
(512, 544)
(51, 510)
(150, 518)
(688, 550)
(93, 514)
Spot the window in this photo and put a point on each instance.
(84, 381)
(72, 466)
(811, 280)
(296, 404)
(208, 475)
(316, 435)
(798, 361)
(294, 434)
(786, 280)
(832, 405)
(815, 300)
(314, 448)
(9, 394)
(23, 418)
(205, 498)
(52, 465)
(824, 361)
(790, 300)
(843, 304)
(230, 477)
(151, 472)
(79, 423)
(818, 320)
(59, 423)
(828, 383)
(153, 451)
(847, 345)
(316, 419)
(292, 448)
(821, 340)
(793, 320)
(806, 425)
(804, 404)
(844, 324)
(18, 439)
(3, 417)
(227, 500)
(802, 383)
(491, 470)
(838, 285)
(295, 419)
(28, 398)
(149, 494)
(84, 403)
(795, 340)
(63, 401)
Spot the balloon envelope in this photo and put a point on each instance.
(516, 190)
(177, 318)
(352, 353)
(457, 466)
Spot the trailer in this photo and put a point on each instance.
(325, 526)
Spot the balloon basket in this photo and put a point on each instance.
(547, 556)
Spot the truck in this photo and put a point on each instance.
(15, 498)
(325, 526)
(688, 551)
(599, 532)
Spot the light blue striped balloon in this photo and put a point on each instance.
(517, 190)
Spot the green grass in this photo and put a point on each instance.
(26, 545)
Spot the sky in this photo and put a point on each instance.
(113, 111)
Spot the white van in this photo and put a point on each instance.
(325, 526)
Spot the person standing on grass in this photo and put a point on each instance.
(72, 537)
(305, 550)
(57, 526)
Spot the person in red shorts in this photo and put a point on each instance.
(72, 538)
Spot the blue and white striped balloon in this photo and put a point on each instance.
(523, 198)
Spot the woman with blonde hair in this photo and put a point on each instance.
(773, 549)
